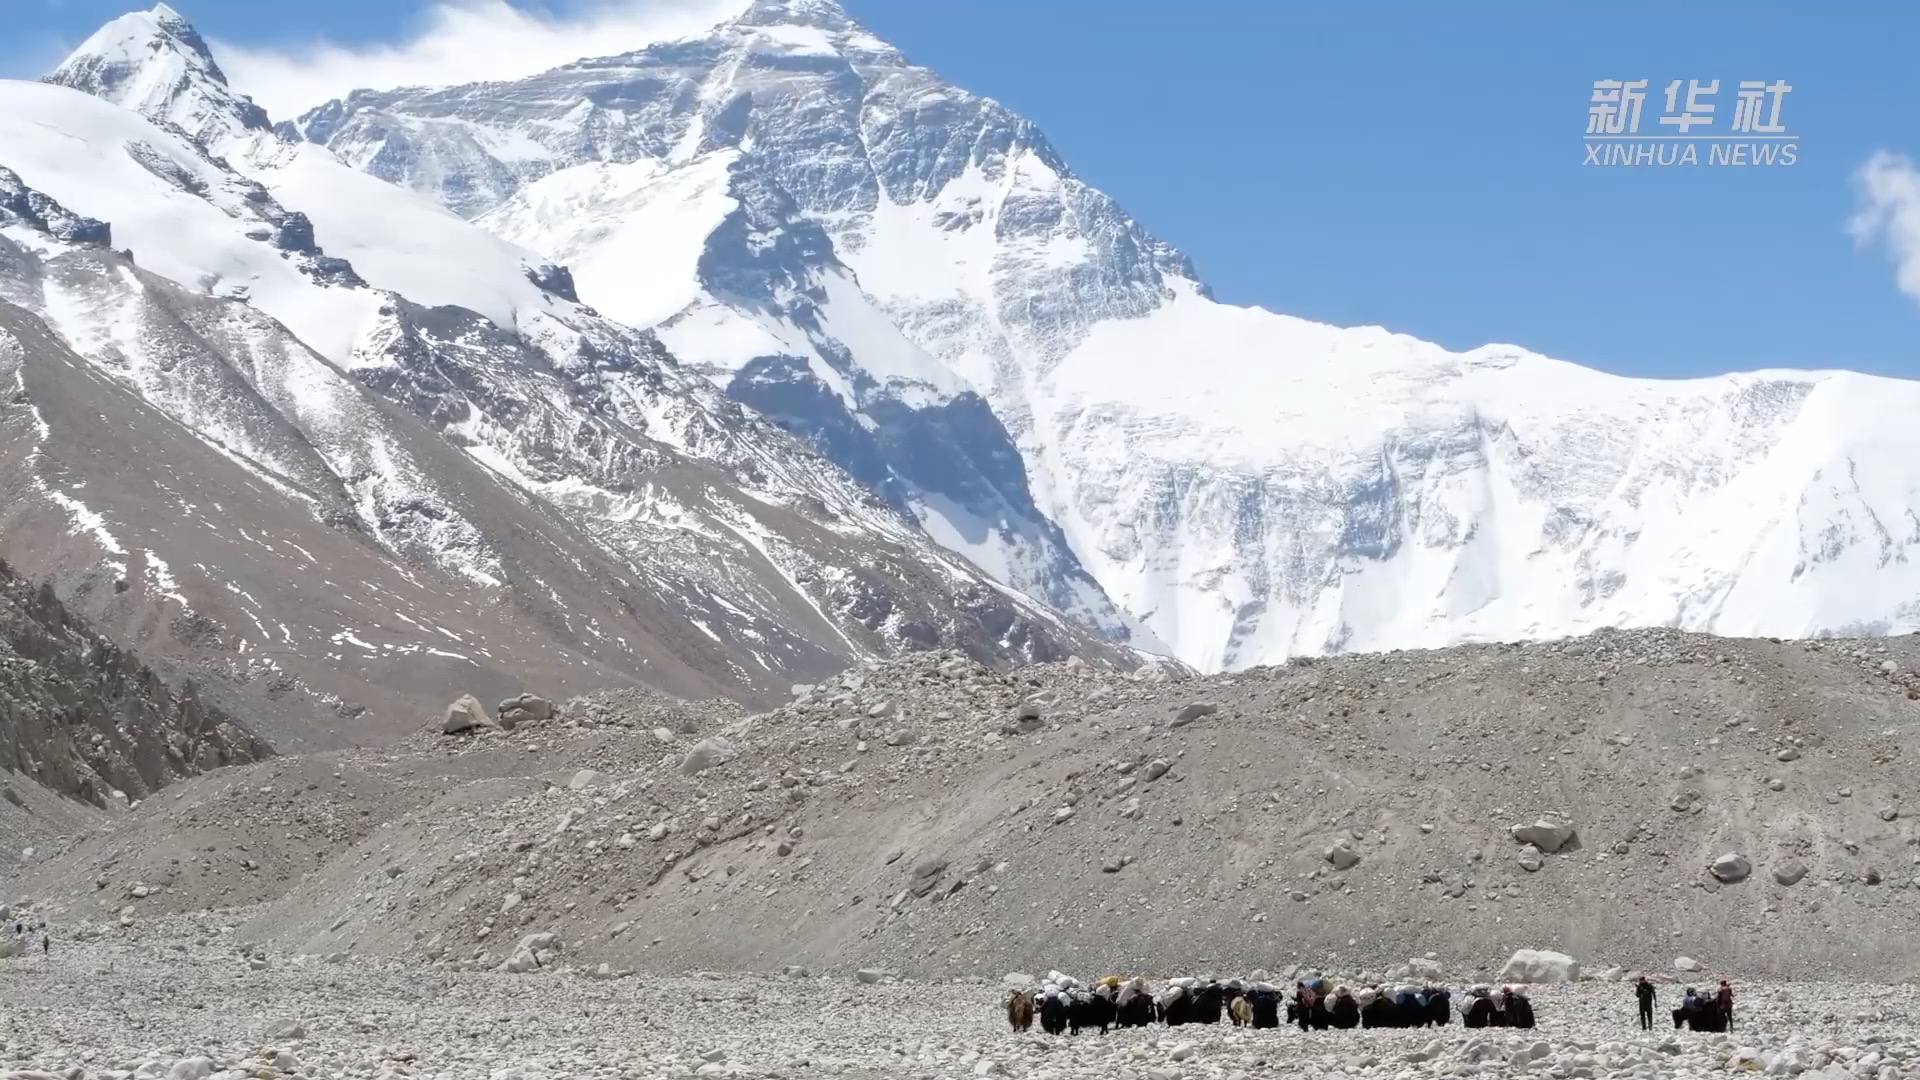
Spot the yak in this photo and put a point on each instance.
(1240, 1011)
(1053, 1015)
(1342, 1011)
(1020, 1010)
(1380, 1012)
(1089, 1011)
(1308, 1011)
(1266, 1007)
(1518, 1009)
(1481, 1012)
(1407, 1008)
(1199, 1005)
(1134, 1007)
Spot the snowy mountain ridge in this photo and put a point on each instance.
(370, 389)
(1247, 485)
(908, 277)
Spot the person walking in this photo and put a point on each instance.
(1644, 991)
(1723, 998)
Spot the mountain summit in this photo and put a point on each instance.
(155, 63)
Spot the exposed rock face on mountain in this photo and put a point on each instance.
(364, 456)
(1248, 486)
(86, 720)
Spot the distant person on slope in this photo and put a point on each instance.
(1643, 989)
(1724, 999)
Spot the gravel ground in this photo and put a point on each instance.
(186, 1004)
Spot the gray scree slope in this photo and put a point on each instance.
(907, 817)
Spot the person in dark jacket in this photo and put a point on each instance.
(1724, 999)
(1643, 989)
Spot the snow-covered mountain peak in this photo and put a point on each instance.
(806, 27)
(824, 14)
(155, 63)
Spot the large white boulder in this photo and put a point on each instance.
(1731, 868)
(1547, 835)
(706, 754)
(466, 714)
(1540, 966)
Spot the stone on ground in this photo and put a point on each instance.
(1540, 966)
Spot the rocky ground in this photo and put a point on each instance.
(1747, 805)
(182, 1001)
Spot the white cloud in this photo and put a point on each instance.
(458, 42)
(1889, 214)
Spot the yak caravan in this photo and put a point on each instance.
(1064, 1005)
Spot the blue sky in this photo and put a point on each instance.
(1380, 163)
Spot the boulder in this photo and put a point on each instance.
(1342, 857)
(523, 709)
(870, 975)
(1026, 720)
(926, 874)
(283, 1030)
(1540, 966)
(1790, 872)
(1194, 711)
(1731, 867)
(1424, 970)
(467, 714)
(1686, 963)
(1547, 835)
(1530, 859)
(534, 952)
(705, 754)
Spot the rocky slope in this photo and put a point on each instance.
(1246, 485)
(930, 816)
(88, 721)
(369, 455)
